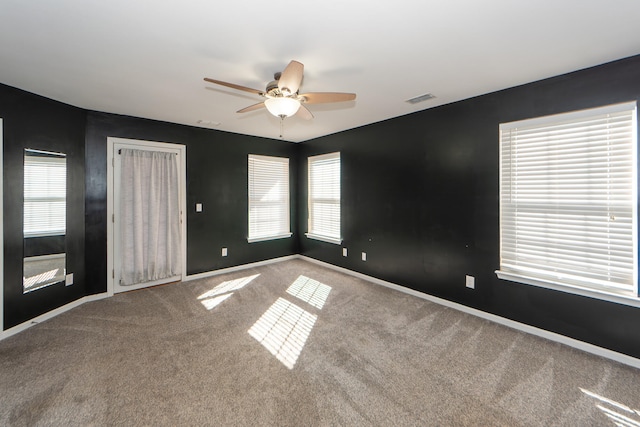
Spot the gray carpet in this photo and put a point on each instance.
(279, 349)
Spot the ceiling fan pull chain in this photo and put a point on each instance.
(281, 126)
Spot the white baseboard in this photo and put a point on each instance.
(580, 345)
(55, 312)
(50, 314)
(238, 268)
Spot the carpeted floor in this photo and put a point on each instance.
(296, 344)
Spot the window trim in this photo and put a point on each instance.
(315, 235)
(626, 297)
(570, 289)
(324, 238)
(264, 239)
(279, 235)
(55, 161)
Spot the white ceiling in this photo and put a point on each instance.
(148, 58)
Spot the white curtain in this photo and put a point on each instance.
(150, 216)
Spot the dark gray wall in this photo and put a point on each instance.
(36, 246)
(420, 196)
(216, 177)
(30, 121)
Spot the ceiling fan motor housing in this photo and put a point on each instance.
(272, 88)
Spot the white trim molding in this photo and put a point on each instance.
(114, 143)
(238, 268)
(324, 197)
(323, 238)
(269, 198)
(89, 298)
(576, 290)
(552, 336)
(274, 237)
(50, 315)
(568, 202)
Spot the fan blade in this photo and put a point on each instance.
(303, 112)
(291, 78)
(251, 108)
(234, 86)
(324, 97)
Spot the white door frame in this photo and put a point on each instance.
(182, 184)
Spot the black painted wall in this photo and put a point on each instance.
(30, 121)
(216, 177)
(420, 196)
(37, 246)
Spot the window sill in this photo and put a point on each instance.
(323, 238)
(28, 235)
(265, 238)
(619, 298)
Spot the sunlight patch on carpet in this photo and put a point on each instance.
(283, 330)
(224, 290)
(310, 291)
(212, 303)
(619, 413)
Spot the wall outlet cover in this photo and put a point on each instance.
(68, 280)
(344, 251)
(364, 256)
(225, 252)
(470, 282)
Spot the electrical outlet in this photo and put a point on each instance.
(364, 256)
(344, 251)
(68, 280)
(198, 207)
(470, 282)
(224, 252)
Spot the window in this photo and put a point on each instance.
(568, 201)
(45, 190)
(324, 198)
(268, 198)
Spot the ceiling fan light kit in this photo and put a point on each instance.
(282, 107)
(282, 97)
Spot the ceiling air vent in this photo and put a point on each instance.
(208, 123)
(420, 98)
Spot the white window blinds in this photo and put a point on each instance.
(324, 198)
(268, 198)
(45, 190)
(568, 200)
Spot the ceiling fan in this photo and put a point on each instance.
(282, 97)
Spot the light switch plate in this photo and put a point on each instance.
(364, 256)
(344, 251)
(224, 252)
(68, 280)
(198, 207)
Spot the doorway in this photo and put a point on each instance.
(119, 275)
